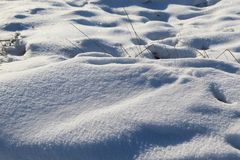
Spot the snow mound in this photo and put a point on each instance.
(120, 108)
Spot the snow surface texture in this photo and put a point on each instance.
(64, 101)
(176, 27)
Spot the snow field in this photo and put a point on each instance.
(67, 97)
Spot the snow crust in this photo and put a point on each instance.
(61, 101)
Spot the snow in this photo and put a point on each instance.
(69, 96)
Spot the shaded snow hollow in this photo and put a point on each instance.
(62, 102)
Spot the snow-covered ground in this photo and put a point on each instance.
(103, 95)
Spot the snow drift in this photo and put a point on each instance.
(120, 108)
(65, 98)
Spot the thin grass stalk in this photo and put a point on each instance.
(221, 54)
(124, 50)
(94, 41)
(134, 31)
(75, 45)
(233, 56)
(227, 50)
(199, 52)
(135, 52)
(206, 54)
(146, 48)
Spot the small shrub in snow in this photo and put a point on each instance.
(13, 46)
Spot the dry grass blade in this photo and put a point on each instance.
(124, 50)
(134, 31)
(221, 54)
(132, 36)
(199, 53)
(136, 34)
(228, 51)
(75, 45)
(146, 48)
(206, 54)
(233, 56)
(96, 44)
